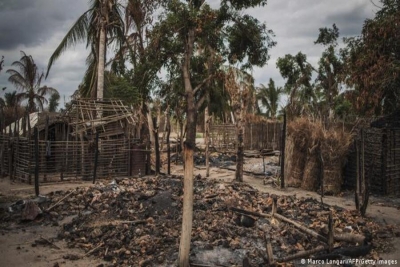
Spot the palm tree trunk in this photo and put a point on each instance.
(100, 67)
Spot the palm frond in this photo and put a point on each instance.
(44, 90)
(77, 33)
(17, 79)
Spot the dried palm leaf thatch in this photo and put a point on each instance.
(307, 142)
(334, 148)
(298, 138)
(312, 166)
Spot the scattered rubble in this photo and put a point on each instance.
(137, 222)
(30, 211)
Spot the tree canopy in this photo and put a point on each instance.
(373, 62)
(27, 78)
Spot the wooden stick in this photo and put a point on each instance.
(49, 242)
(55, 205)
(274, 208)
(274, 204)
(302, 254)
(93, 250)
(351, 238)
(282, 218)
(264, 215)
(301, 227)
(270, 252)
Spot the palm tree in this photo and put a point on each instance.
(269, 97)
(28, 80)
(99, 26)
(10, 99)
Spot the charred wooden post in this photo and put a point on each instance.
(157, 146)
(283, 151)
(96, 157)
(357, 190)
(168, 143)
(384, 156)
(17, 150)
(274, 205)
(206, 137)
(263, 157)
(47, 144)
(270, 253)
(364, 182)
(36, 134)
(10, 155)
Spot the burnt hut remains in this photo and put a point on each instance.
(375, 154)
(92, 138)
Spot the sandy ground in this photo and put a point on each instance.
(17, 241)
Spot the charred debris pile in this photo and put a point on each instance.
(137, 222)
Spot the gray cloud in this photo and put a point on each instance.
(350, 21)
(30, 23)
(38, 26)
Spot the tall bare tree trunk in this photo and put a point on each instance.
(240, 145)
(189, 145)
(151, 132)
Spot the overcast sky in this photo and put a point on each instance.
(38, 26)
